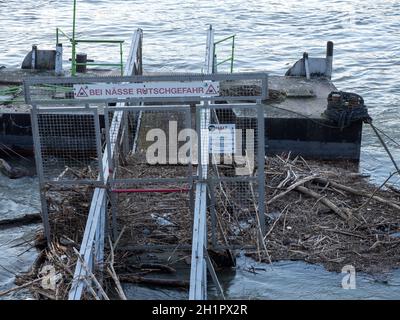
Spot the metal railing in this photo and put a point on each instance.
(10, 94)
(43, 91)
(230, 58)
(74, 42)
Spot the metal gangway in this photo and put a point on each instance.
(51, 114)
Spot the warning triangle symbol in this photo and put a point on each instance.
(81, 93)
(211, 90)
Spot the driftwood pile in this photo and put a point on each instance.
(50, 275)
(325, 213)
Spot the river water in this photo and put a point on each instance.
(271, 36)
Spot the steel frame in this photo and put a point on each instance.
(92, 247)
(114, 181)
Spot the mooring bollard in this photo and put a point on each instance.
(329, 59)
(34, 57)
(81, 60)
(58, 63)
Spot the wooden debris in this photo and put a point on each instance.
(114, 275)
(323, 200)
(362, 193)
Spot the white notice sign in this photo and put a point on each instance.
(221, 138)
(148, 89)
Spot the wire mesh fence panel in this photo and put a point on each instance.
(159, 148)
(152, 214)
(234, 214)
(232, 151)
(69, 145)
(150, 186)
(67, 210)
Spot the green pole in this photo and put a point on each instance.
(73, 69)
(233, 52)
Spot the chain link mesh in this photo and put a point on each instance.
(68, 145)
(233, 172)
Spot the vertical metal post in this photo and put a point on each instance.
(40, 173)
(306, 65)
(114, 213)
(191, 195)
(98, 143)
(73, 61)
(188, 125)
(59, 56)
(140, 56)
(329, 59)
(211, 189)
(111, 168)
(108, 138)
(205, 284)
(198, 272)
(198, 279)
(199, 144)
(34, 57)
(260, 166)
(100, 237)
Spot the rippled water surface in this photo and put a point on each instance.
(271, 36)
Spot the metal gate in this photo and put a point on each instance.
(141, 182)
(68, 154)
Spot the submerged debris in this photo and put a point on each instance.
(13, 172)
